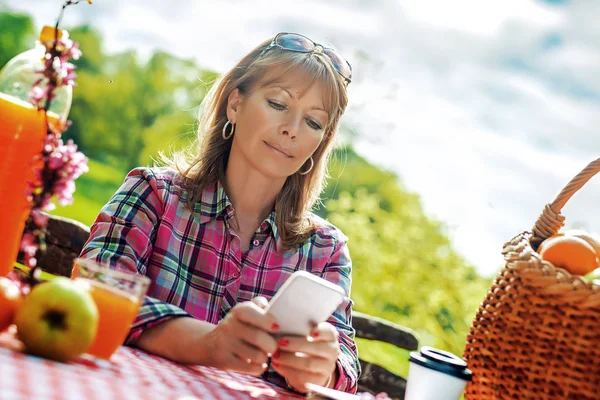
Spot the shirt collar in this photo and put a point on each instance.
(215, 203)
(272, 220)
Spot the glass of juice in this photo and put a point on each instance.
(118, 296)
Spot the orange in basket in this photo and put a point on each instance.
(571, 253)
(535, 334)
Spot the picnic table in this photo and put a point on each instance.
(130, 374)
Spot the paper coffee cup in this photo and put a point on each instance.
(436, 375)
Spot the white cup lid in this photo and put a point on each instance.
(442, 361)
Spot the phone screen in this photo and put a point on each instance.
(304, 301)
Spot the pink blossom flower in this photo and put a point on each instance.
(48, 205)
(67, 74)
(28, 244)
(29, 247)
(39, 218)
(55, 160)
(73, 51)
(38, 95)
(66, 164)
(59, 164)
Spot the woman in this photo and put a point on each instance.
(219, 235)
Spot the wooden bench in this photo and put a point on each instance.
(375, 378)
(65, 239)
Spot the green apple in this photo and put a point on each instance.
(58, 320)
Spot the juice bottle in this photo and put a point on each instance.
(22, 133)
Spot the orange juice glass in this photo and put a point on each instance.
(118, 296)
(22, 132)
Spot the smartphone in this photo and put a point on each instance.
(303, 301)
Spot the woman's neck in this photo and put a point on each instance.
(252, 194)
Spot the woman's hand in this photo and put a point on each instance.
(311, 359)
(242, 341)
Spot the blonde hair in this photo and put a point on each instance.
(300, 192)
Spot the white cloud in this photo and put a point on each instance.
(477, 17)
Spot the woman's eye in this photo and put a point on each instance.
(276, 106)
(313, 124)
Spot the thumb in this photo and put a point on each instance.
(261, 302)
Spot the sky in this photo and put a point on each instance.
(485, 109)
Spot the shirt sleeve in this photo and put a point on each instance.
(339, 271)
(122, 237)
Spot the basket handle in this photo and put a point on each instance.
(551, 219)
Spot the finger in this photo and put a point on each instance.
(252, 314)
(246, 366)
(304, 362)
(255, 337)
(297, 379)
(260, 302)
(324, 332)
(297, 344)
(248, 353)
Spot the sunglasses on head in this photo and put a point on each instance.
(302, 44)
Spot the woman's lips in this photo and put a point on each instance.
(279, 150)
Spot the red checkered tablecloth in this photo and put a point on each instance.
(131, 374)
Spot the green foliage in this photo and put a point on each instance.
(124, 111)
(391, 357)
(88, 39)
(93, 190)
(16, 35)
(404, 267)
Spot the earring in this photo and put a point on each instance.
(226, 135)
(312, 164)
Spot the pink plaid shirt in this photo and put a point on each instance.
(196, 263)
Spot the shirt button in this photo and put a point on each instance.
(255, 242)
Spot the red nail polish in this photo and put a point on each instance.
(275, 327)
(284, 342)
(315, 334)
(276, 354)
(275, 364)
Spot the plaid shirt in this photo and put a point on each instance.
(196, 263)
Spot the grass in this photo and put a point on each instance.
(386, 355)
(45, 276)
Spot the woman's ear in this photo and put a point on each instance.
(233, 104)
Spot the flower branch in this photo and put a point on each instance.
(59, 164)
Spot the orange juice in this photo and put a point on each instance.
(22, 132)
(117, 311)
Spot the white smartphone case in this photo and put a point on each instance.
(303, 301)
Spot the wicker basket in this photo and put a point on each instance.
(536, 335)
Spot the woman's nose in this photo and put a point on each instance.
(286, 132)
(290, 128)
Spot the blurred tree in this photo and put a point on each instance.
(404, 267)
(125, 111)
(16, 35)
(90, 41)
